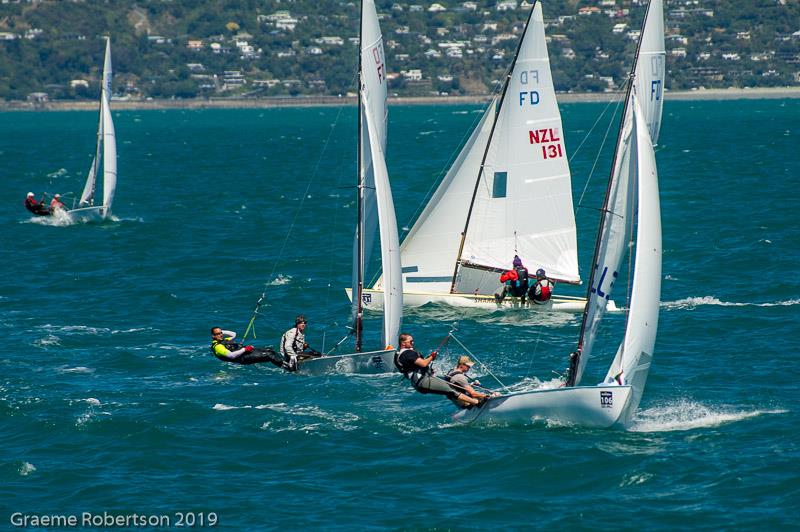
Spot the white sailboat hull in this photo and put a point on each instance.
(86, 214)
(373, 300)
(586, 406)
(371, 362)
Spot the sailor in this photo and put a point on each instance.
(224, 348)
(56, 204)
(294, 346)
(542, 290)
(515, 281)
(419, 371)
(36, 207)
(460, 382)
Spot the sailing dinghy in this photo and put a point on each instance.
(105, 154)
(632, 192)
(508, 193)
(375, 213)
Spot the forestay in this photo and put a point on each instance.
(513, 196)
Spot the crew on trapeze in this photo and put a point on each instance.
(224, 348)
(36, 207)
(515, 282)
(294, 346)
(542, 290)
(418, 370)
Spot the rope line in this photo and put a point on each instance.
(251, 324)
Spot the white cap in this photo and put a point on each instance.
(57, 196)
(30, 194)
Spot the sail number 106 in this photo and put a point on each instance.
(549, 140)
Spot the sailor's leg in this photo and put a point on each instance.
(435, 385)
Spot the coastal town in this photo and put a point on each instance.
(440, 49)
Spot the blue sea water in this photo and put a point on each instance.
(111, 402)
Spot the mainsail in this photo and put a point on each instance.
(376, 208)
(613, 235)
(632, 361)
(106, 150)
(508, 192)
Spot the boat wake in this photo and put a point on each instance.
(688, 415)
(694, 302)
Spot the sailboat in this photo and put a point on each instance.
(507, 193)
(105, 154)
(632, 192)
(375, 213)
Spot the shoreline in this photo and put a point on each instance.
(313, 101)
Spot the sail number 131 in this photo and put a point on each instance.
(549, 140)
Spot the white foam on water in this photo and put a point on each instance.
(76, 369)
(48, 340)
(26, 469)
(693, 302)
(280, 280)
(689, 415)
(92, 401)
(222, 407)
(76, 329)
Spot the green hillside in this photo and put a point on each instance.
(204, 48)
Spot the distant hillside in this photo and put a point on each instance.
(203, 48)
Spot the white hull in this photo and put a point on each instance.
(86, 214)
(373, 300)
(585, 406)
(371, 362)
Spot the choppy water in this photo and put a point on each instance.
(110, 401)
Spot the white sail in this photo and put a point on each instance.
(374, 93)
(615, 222)
(390, 241)
(650, 69)
(615, 401)
(429, 250)
(632, 362)
(109, 137)
(522, 194)
(523, 204)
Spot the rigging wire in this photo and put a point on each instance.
(251, 324)
(484, 366)
(616, 102)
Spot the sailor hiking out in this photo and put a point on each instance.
(224, 348)
(36, 207)
(419, 371)
(460, 382)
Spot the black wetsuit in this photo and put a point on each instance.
(36, 208)
(258, 354)
(423, 379)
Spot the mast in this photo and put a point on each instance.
(604, 212)
(360, 188)
(488, 144)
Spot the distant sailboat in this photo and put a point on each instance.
(508, 193)
(632, 192)
(105, 154)
(375, 208)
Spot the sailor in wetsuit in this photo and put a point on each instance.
(36, 207)
(224, 348)
(294, 346)
(418, 370)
